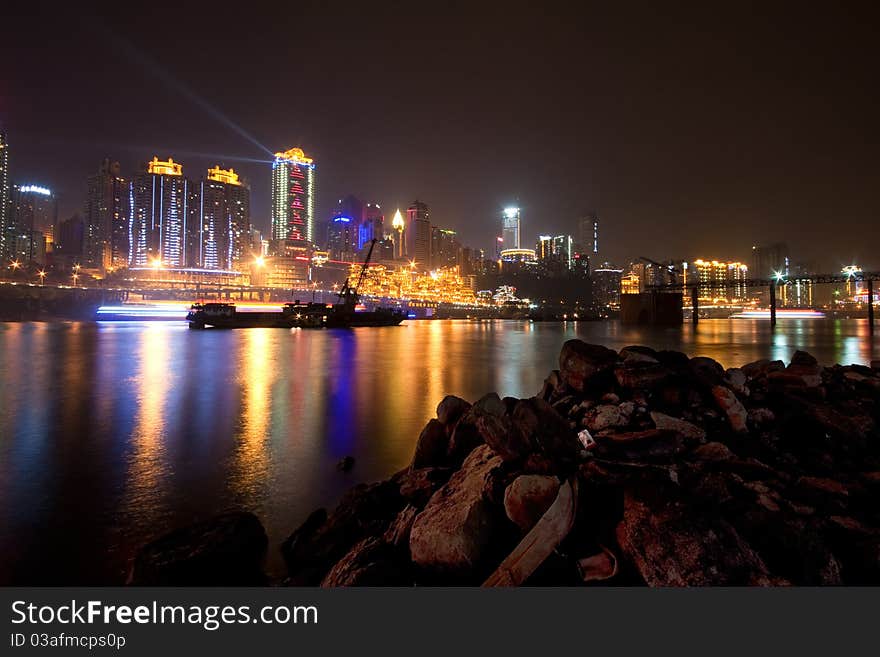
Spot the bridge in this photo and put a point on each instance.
(773, 283)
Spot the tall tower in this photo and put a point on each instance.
(588, 234)
(106, 222)
(418, 234)
(34, 211)
(510, 225)
(398, 227)
(224, 219)
(293, 196)
(5, 213)
(372, 225)
(163, 226)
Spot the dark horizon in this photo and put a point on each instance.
(697, 132)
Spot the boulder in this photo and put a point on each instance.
(370, 562)
(365, 510)
(761, 416)
(732, 407)
(580, 363)
(227, 550)
(542, 428)
(761, 368)
(637, 354)
(707, 371)
(687, 430)
(528, 497)
(431, 447)
(603, 417)
(736, 379)
(417, 486)
(670, 544)
(398, 531)
(450, 409)
(451, 535)
(503, 436)
(641, 374)
(806, 367)
(713, 452)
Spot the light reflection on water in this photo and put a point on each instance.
(111, 434)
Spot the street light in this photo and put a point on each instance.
(15, 265)
(75, 277)
(42, 275)
(260, 261)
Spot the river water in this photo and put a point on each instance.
(114, 433)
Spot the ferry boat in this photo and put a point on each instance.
(226, 315)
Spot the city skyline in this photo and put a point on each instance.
(669, 179)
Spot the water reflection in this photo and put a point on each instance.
(142, 427)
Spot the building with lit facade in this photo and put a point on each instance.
(418, 235)
(106, 219)
(721, 281)
(517, 259)
(606, 287)
(293, 196)
(630, 283)
(342, 237)
(224, 221)
(372, 225)
(405, 282)
(770, 260)
(163, 222)
(555, 253)
(5, 215)
(445, 248)
(510, 228)
(289, 266)
(588, 234)
(34, 211)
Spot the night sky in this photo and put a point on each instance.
(693, 132)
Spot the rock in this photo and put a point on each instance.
(670, 544)
(687, 430)
(490, 404)
(609, 398)
(528, 497)
(821, 487)
(636, 354)
(417, 486)
(580, 363)
(707, 371)
(761, 368)
(604, 416)
(552, 386)
(450, 536)
(227, 550)
(451, 409)
(598, 567)
(503, 437)
(806, 367)
(465, 437)
(761, 416)
(365, 510)
(732, 407)
(398, 531)
(370, 562)
(641, 374)
(542, 428)
(736, 379)
(431, 447)
(713, 452)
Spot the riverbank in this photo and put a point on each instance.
(627, 468)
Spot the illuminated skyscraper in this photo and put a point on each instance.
(445, 248)
(293, 196)
(418, 234)
(106, 221)
(225, 220)
(398, 234)
(163, 225)
(588, 234)
(372, 224)
(510, 228)
(5, 214)
(34, 212)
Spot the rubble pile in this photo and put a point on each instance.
(641, 467)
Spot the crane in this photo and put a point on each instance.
(349, 296)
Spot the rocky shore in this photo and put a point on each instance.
(641, 467)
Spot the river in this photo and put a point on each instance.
(113, 433)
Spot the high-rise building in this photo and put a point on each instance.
(398, 234)
(770, 260)
(445, 248)
(372, 225)
(510, 228)
(342, 237)
(606, 287)
(554, 252)
(5, 214)
(418, 234)
(224, 220)
(106, 221)
(721, 280)
(588, 234)
(34, 214)
(69, 243)
(293, 196)
(163, 222)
